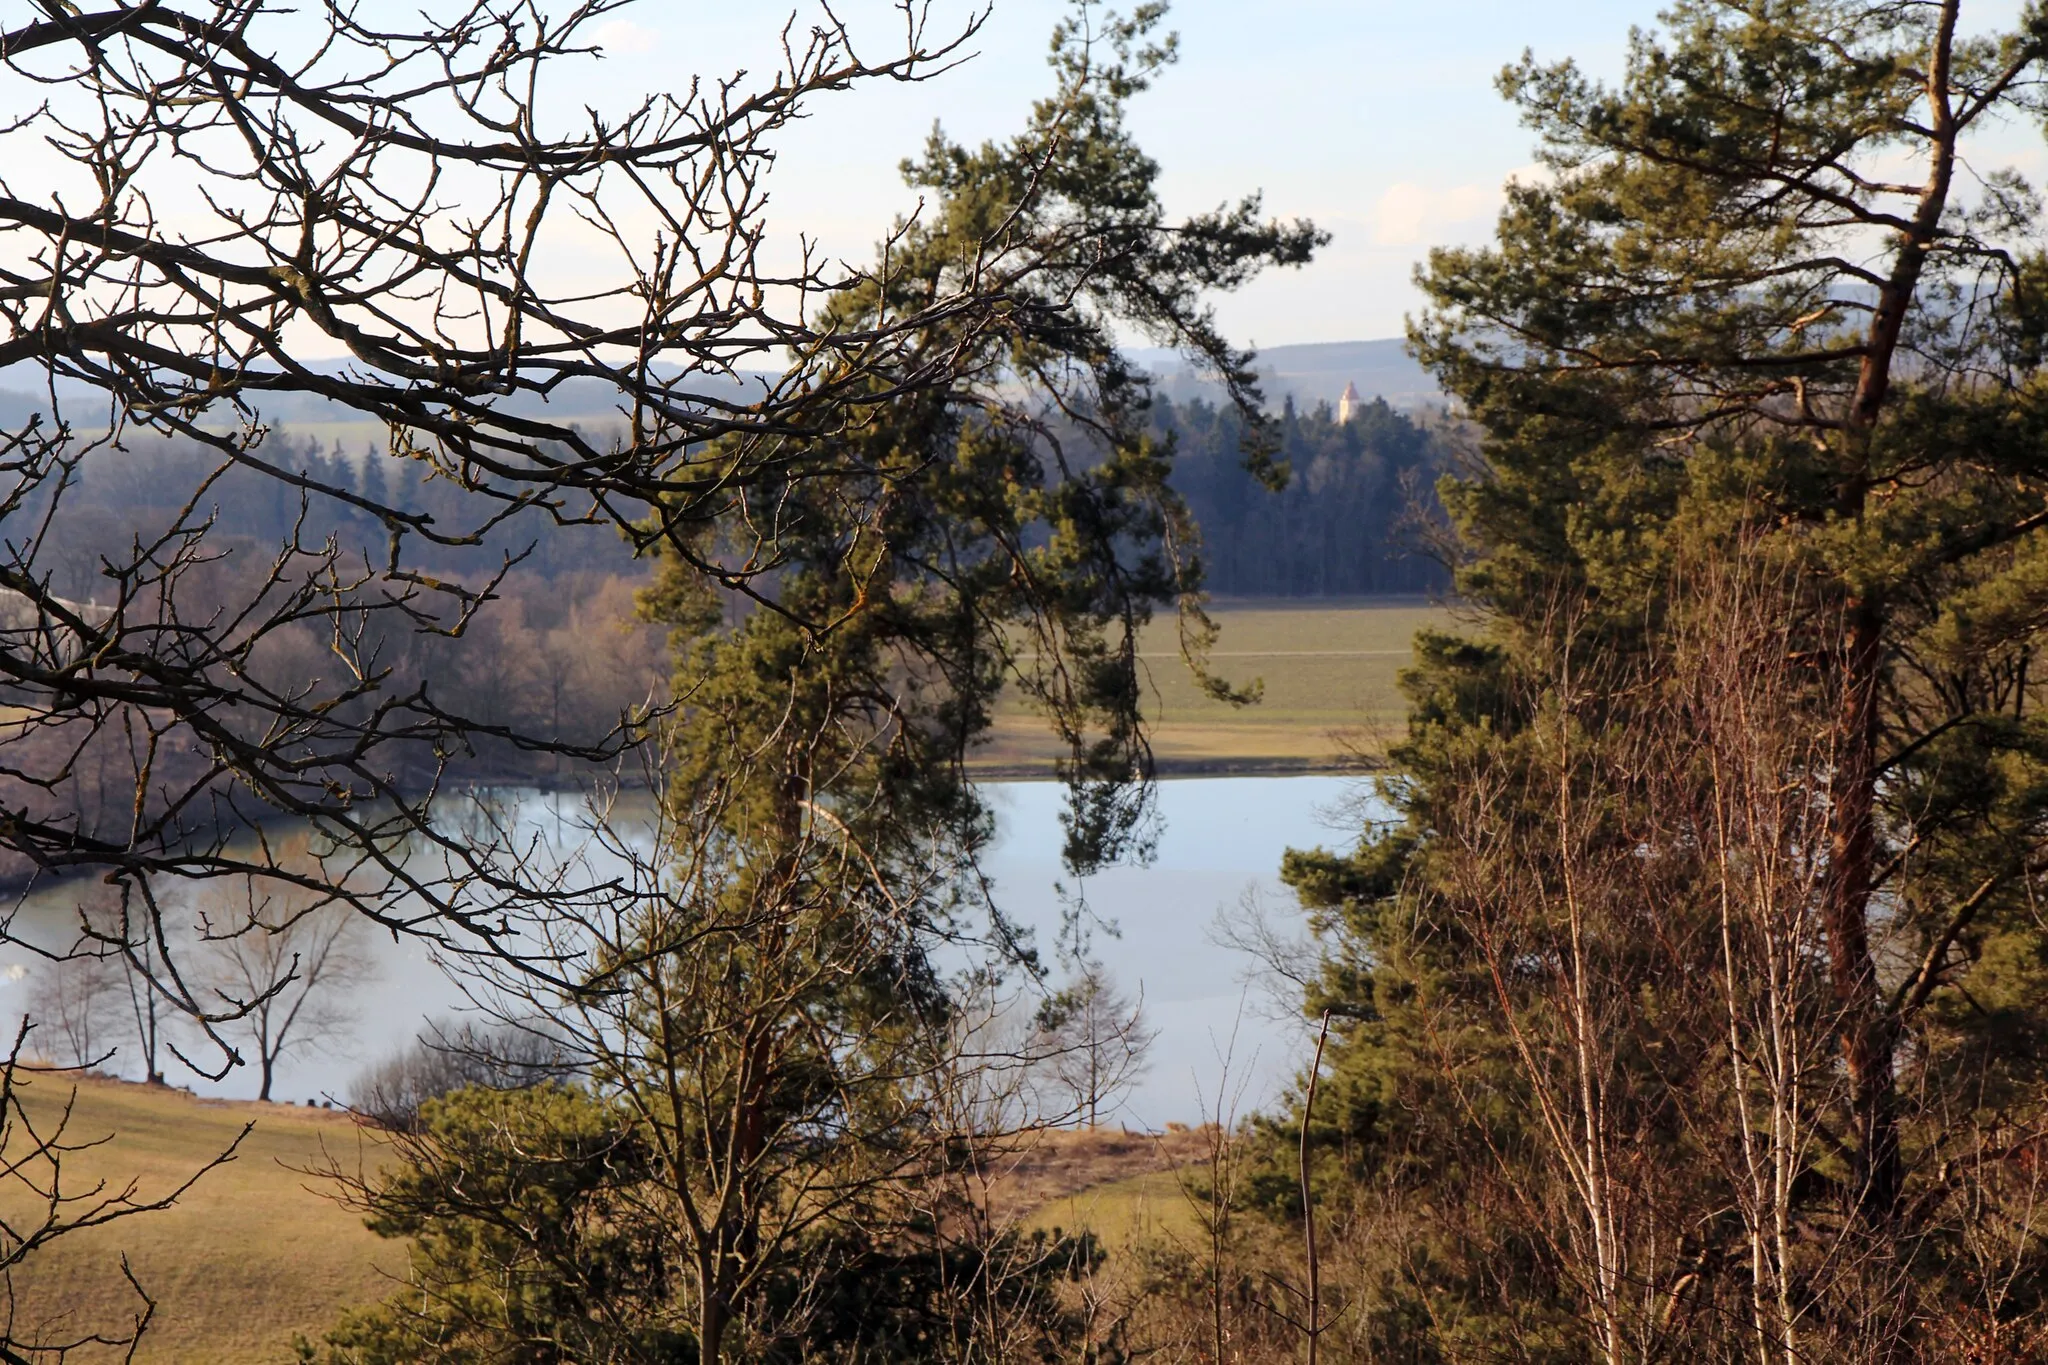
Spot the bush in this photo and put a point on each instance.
(442, 1060)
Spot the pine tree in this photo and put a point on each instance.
(1727, 337)
(761, 1002)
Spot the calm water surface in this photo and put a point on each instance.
(1153, 928)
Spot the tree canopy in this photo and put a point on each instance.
(1754, 564)
(754, 997)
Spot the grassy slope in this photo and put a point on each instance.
(248, 1257)
(1137, 1208)
(253, 1255)
(1121, 1186)
(1328, 670)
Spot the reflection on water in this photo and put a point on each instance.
(1222, 839)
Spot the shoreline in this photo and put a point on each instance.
(1187, 769)
(20, 885)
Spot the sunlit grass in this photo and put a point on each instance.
(248, 1257)
(1140, 1208)
(1328, 672)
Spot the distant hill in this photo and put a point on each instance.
(1309, 374)
(585, 400)
(1314, 373)
(16, 408)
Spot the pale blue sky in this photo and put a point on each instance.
(1377, 119)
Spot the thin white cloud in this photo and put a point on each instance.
(1408, 214)
(623, 36)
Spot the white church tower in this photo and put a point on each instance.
(1349, 404)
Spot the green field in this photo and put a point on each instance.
(252, 1254)
(1328, 670)
(1150, 1207)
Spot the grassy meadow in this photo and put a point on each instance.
(251, 1254)
(1120, 1185)
(1154, 1206)
(254, 1254)
(1328, 670)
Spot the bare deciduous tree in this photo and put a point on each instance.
(1628, 1027)
(102, 990)
(77, 1003)
(284, 974)
(260, 187)
(444, 1058)
(1092, 1042)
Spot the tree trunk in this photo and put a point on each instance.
(712, 1318)
(1866, 1032)
(1862, 1026)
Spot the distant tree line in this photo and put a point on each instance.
(116, 495)
(1345, 524)
(561, 652)
(552, 645)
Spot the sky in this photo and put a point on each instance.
(1377, 120)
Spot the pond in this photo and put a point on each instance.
(1221, 1037)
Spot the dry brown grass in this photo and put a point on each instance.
(1066, 1161)
(1119, 1185)
(255, 1253)
(248, 1257)
(1151, 1208)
